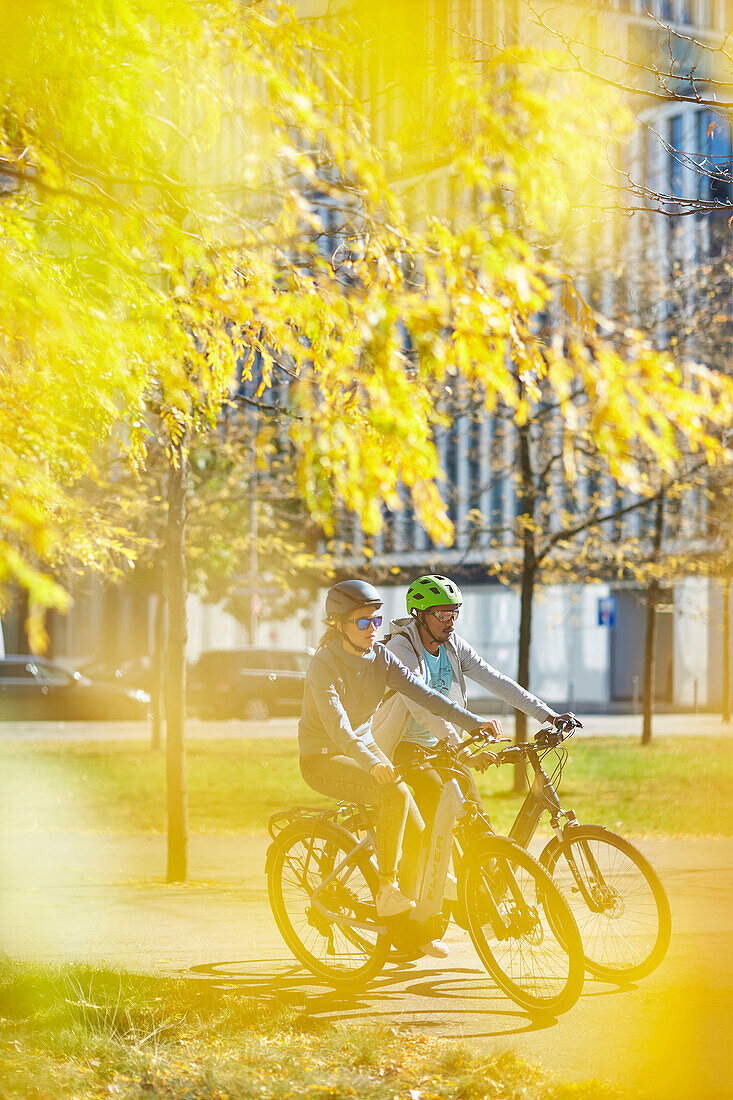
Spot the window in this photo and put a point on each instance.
(474, 464)
(17, 670)
(703, 13)
(674, 140)
(714, 161)
(724, 13)
(714, 157)
(451, 471)
(52, 674)
(498, 473)
(298, 661)
(388, 529)
(256, 659)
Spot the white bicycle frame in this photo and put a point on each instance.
(433, 862)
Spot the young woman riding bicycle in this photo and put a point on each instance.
(346, 680)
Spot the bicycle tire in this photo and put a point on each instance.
(299, 860)
(628, 938)
(535, 955)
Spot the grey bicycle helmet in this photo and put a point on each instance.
(346, 595)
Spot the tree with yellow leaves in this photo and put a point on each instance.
(189, 184)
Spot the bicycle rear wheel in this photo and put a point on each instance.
(522, 927)
(335, 934)
(617, 900)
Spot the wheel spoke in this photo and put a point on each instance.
(529, 942)
(306, 896)
(625, 931)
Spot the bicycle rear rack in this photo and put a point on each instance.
(347, 814)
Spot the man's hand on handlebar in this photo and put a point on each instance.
(383, 773)
(566, 722)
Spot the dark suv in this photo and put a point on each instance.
(247, 683)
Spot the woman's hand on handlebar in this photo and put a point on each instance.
(383, 773)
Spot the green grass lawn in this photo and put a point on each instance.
(83, 1033)
(676, 787)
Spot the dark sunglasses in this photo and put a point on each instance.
(364, 624)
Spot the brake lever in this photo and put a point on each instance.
(484, 739)
(549, 738)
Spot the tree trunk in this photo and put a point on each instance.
(175, 698)
(529, 572)
(157, 668)
(726, 651)
(650, 648)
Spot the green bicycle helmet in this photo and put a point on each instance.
(432, 591)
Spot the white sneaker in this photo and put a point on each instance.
(435, 948)
(391, 902)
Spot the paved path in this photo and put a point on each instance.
(594, 725)
(101, 899)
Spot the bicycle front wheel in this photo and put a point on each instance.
(617, 900)
(333, 931)
(522, 927)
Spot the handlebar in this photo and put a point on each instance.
(447, 756)
(443, 755)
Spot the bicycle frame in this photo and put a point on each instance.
(542, 797)
(432, 875)
(455, 820)
(349, 859)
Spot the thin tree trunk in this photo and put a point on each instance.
(176, 668)
(157, 668)
(650, 648)
(726, 709)
(529, 573)
(529, 569)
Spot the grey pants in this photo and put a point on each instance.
(398, 826)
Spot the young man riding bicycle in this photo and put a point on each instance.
(427, 644)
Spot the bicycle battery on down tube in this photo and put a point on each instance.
(435, 853)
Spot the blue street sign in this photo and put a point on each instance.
(607, 611)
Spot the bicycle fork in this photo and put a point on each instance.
(543, 796)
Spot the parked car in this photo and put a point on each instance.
(133, 673)
(34, 688)
(247, 683)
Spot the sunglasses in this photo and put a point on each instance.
(364, 624)
(445, 616)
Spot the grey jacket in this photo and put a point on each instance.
(391, 719)
(342, 692)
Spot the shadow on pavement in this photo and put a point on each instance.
(458, 999)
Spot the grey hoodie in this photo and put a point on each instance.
(342, 691)
(391, 719)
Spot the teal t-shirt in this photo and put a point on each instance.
(440, 678)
